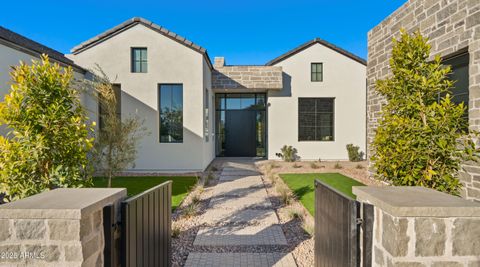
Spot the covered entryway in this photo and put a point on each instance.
(240, 124)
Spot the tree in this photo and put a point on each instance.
(422, 137)
(47, 139)
(116, 145)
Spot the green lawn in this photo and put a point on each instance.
(136, 184)
(302, 184)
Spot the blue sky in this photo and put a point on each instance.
(244, 31)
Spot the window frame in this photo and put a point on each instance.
(316, 127)
(314, 74)
(159, 99)
(463, 54)
(133, 60)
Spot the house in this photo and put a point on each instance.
(453, 29)
(15, 48)
(312, 98)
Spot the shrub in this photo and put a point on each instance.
(296, 166)
(295, 213)
(288, 153)
(48, 141)
(354, 153)
(213, 168)
(285, 194)
(313, 165)
(359, 166)
(176, 231)
(190, 210)
(422, 137)
(195, 199)
(337, 165)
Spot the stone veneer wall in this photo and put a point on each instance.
(421, 227)
(54, 237)
(450, 26)
(246, 77)
(425, 241)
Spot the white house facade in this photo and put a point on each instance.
(312, 98)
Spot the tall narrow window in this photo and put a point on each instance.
(206, 115)
(315, 119)
(460, 77)
(171, 113)
(317, 72)
(118, 109)
(139, 59)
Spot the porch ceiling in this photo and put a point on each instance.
(245, 78)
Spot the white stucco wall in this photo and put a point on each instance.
(343, 79)
(10, 57)
(168, 62)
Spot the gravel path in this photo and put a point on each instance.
(237, 225)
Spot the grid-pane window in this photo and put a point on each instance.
(171, 113)
(460, 77)
(315, 119)
(317, 72)
(139, 60)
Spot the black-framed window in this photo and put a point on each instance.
(139, 60)
(317, 72)
(117, 90)
(316, 119)
(460, 77)
(170, 99)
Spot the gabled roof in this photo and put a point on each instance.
(135, 21)
(26, 45)
(312, 42)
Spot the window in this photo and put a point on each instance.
(139, 60)
(317, 72)
(315, 119)
(206, 119)
(118, 109)
(171, 113)
(459, 75)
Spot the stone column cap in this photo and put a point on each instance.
(407, 201)
(62, 203)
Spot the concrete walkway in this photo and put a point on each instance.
(240, 215)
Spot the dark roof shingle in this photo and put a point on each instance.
(34, 47)
(312, 42)
(132, 22)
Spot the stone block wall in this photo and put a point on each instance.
(245, 77)
(425, 241)
(451, 26)
(53, 229)
(421, 227)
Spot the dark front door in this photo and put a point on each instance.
(240, 133)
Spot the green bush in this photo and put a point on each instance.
(288, 153)
(354, 153)
(48, 138)
(422, 138)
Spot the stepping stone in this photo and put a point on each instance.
(240, 260)
(240, 203)
(242, 182)
(233, 177)
(258, 217)
(251, 235)
(241, 193)
(243, 168)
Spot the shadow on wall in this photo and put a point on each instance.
(222, 81)
(149, 152)
(287, 87)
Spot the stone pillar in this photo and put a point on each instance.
(416, 226)
(62, 227)
(219, 62)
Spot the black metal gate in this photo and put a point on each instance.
(337, 229)
(146, 228)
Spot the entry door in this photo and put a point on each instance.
(240, 133)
